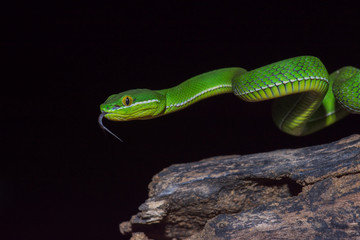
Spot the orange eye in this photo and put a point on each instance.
(127, 100)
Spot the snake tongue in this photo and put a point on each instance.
(101, 116)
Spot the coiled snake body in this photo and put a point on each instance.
(307, 98)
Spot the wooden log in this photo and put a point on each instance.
(306, 193)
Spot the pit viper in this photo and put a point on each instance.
(306, 97)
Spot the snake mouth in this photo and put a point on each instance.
(100, 118)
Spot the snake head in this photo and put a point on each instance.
(134, 104)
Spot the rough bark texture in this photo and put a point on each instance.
(307, 193)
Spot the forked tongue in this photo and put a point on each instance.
(101, 116)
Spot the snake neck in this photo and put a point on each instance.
(198, 88)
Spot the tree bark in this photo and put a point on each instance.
(306, 193)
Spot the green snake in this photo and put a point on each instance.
(307, 98)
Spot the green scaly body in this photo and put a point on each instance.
(313, 99)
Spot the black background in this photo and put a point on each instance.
(61, 177)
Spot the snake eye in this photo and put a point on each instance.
(127, 100)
